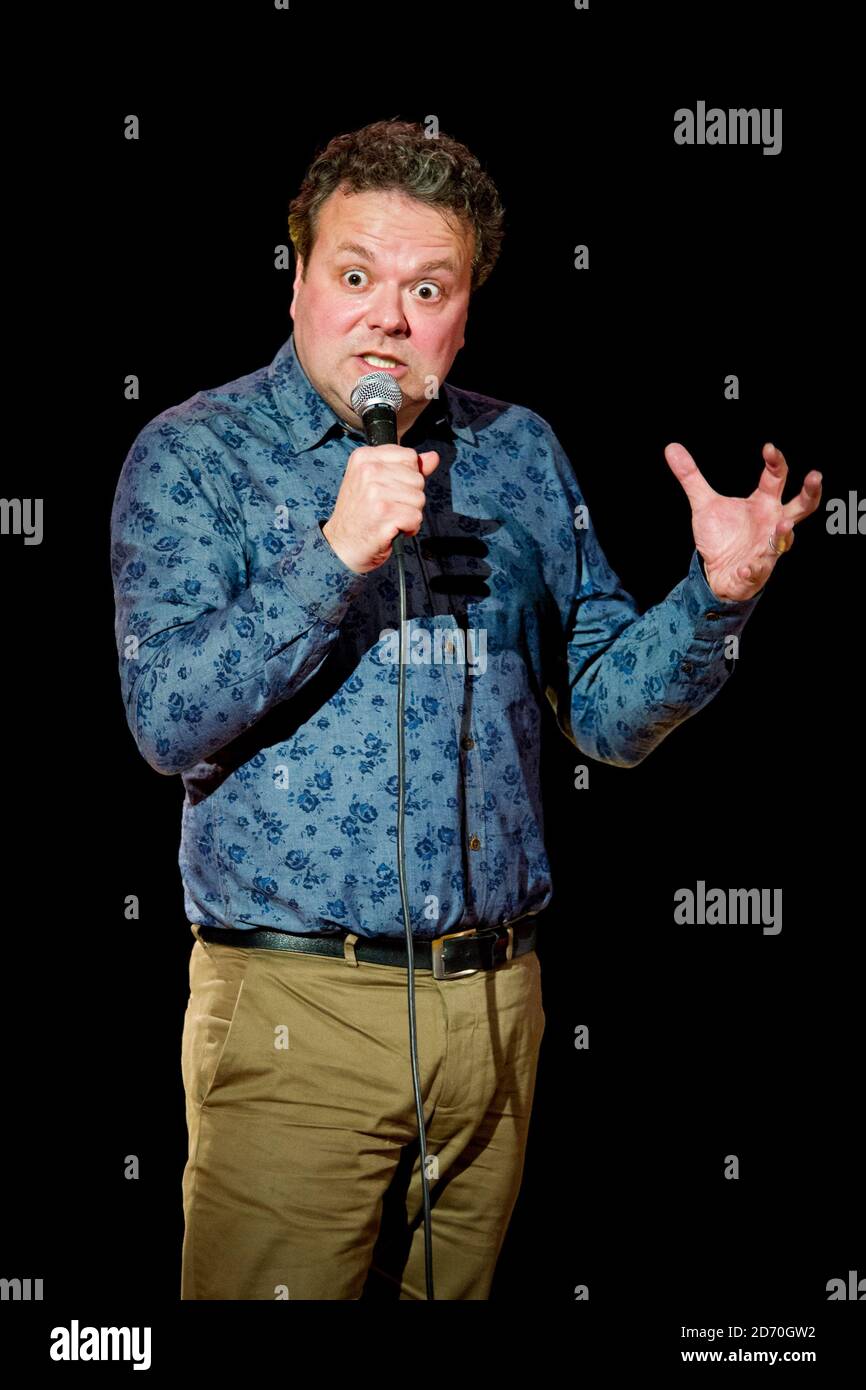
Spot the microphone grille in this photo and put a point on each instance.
(375, 388)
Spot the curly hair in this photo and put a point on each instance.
(398, 156)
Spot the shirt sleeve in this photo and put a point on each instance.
(209, 640)
(624, 679)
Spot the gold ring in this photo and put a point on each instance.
(781, 547)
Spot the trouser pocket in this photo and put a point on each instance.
(220, 984)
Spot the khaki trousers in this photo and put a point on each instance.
(303, 1178)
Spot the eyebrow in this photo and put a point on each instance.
(365, 254)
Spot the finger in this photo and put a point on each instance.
(775, 474)
(754, 573)
(407, 519)
(683, 466)
(806, 500)
(783, 536)
(387, 456)
(404, 495)
(399, 475)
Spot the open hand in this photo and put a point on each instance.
(734, 534)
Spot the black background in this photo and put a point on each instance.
(155, 257)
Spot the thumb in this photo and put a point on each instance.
(429, 462)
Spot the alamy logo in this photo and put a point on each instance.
(101, 1344)
(731, 907)
(734, 127)
(21, 1290)
(451, 646)
(22, 516)
(837, 1288)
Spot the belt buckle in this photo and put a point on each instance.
(492, 934)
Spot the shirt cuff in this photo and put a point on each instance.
(699, 569)
(700, 624)
(704, 623)
(316, 576)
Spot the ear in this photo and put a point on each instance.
(299, 271)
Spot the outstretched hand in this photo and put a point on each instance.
(741, 538)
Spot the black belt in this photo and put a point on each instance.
(458, 953)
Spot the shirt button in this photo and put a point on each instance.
(474, 842)
(714, 615)
(467, 742)
(687, 666)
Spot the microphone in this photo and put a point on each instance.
(376, 397)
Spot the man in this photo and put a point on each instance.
(256, 617)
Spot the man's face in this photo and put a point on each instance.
(374, 285)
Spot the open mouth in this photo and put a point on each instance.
(372, 362)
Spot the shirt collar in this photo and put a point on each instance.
(310, 420)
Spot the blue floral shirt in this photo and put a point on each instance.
(260, 668)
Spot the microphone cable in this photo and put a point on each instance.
(376, 397)
(397, 549)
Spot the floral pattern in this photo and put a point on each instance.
(253, 661)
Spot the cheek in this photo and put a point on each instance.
(441, 347)
(338, 320)
(327, 312)
(330, 329)
(436, 338)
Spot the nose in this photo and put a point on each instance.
(385, 311)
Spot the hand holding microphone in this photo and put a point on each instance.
(382, 492)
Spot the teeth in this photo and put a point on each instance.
(379, 361)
